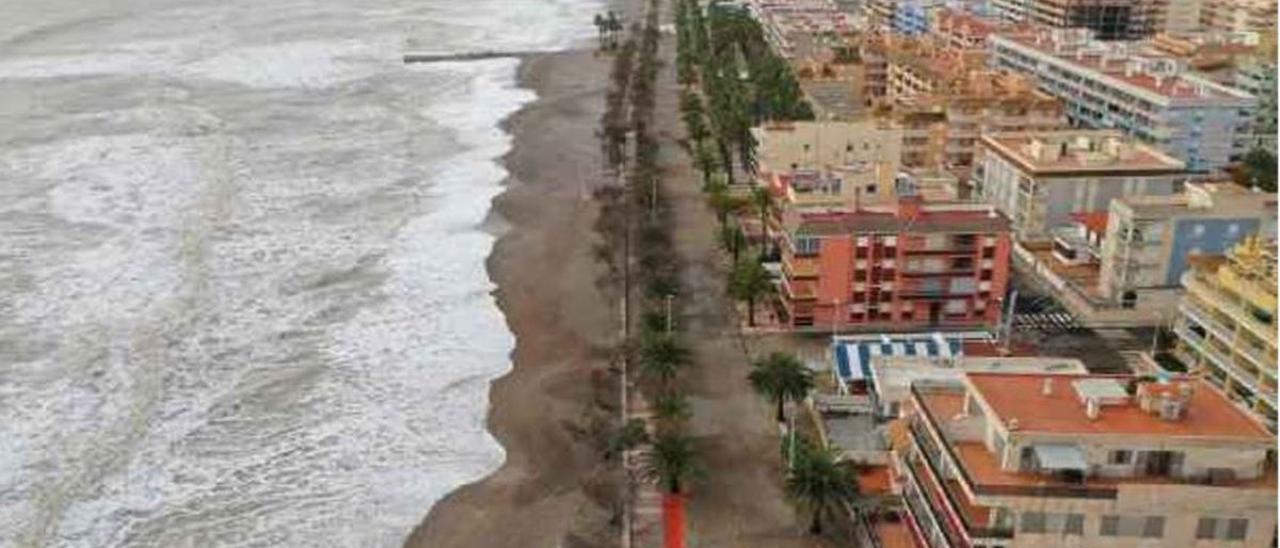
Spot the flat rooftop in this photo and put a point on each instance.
(860, 222)
(1019, 396)
(1121, 63)
(1078, 152)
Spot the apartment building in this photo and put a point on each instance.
(915, 265)
(963, 30)
(1110, 85)
(1040, 179)
(941, 129)
(1149, 240)
(1009, 460)
(1181, 16)
(1245, 61)
(786, 146)
(1227, 324)
(1106, 19)
(1238, 15)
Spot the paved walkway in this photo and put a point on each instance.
(739, 501)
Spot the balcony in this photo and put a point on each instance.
(971, 517)
(802, 267)
(1230, 304)
(1224, 363)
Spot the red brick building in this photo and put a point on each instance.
(916, 265)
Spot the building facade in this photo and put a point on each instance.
(916, 265)
(1040, 179)
(1109, 85)
(1150, 240)
(1238, 15)
(1227, 326)
(785, 146)
(1006, 460)
(1106, 19)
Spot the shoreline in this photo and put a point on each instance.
(550, 488)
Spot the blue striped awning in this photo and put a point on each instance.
(853, 359)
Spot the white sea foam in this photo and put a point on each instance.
(242, 289)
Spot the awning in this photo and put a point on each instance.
(1060, 457)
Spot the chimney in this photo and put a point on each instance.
(1092, 409)
(1047, 389)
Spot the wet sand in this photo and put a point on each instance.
(546, 276)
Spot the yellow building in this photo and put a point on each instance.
(1227, 328)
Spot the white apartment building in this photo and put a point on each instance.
(1040, 179)
(1007, 460)
(1110, 85)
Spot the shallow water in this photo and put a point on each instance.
(242, 288)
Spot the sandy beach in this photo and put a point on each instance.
(546, 275)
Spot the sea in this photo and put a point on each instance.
(243, 296)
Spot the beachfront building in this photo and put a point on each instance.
(914, 265)
(1107, 19)
(1113, 85)
(785, 146)
(1040, 179)
(797, 28)
(1045, 460)
(1227, 324)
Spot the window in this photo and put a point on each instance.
(1120, 456)
(1153, 527)
(1222, 528)
(1110, 526)
(871, 189)
(1074, 525)
(1237, 529)
(1205, 528)
(1032, 522)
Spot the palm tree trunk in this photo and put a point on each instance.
(751, 312)
(781, 416)
(764, 234)
(815, 527)
(727, 157)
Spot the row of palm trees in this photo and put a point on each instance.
(742, 84)
(634, 219)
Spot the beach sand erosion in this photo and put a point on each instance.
(546, 277)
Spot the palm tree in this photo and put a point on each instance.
(703, 158)
(781, 377)
(818, 481)
(628, 437)
(749, 282)
(732, 240)
(672, 460)
(662, 357)
(599, 22)
(762, 199)
(671, 408)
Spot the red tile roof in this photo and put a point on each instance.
(1020, 396)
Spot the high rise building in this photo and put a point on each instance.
(1227, 327)
(1106, 19)
(1111, 85)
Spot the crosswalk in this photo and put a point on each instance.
(1047, 321)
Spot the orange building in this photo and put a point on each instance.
(915, 264)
